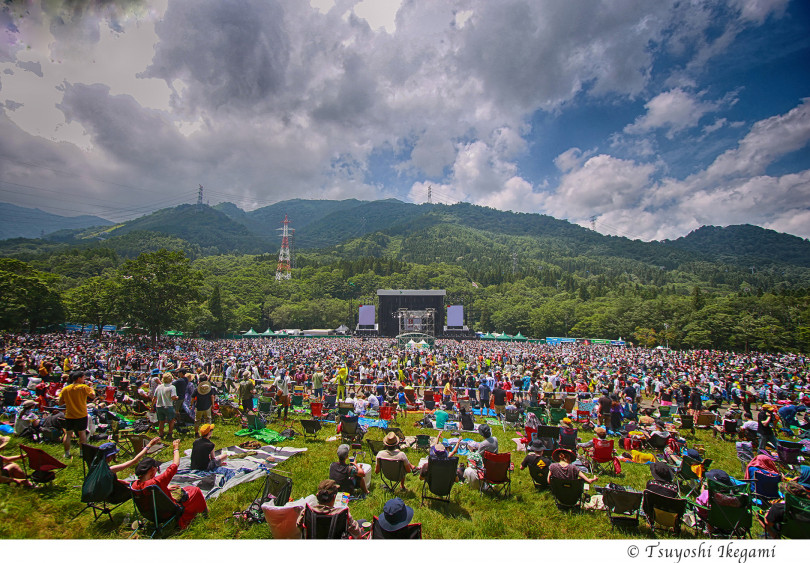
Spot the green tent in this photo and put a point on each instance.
(173, 333)
(503, 337)
(519, 336)
(487, 336)
(251, 332)
(267, 332)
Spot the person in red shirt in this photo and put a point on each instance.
(193, 501)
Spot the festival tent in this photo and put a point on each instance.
(503, 336)
(250, 332)
(487, 336)
(520, 337)
(267, 332)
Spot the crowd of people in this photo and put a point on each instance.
(172, 380)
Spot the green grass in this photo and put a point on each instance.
(44, 512)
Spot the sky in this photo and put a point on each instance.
(636, 118)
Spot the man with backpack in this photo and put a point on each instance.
(246, 392)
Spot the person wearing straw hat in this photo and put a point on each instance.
(203, 400)
(564, 468)
(393, 453)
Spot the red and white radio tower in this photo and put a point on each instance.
(284, 269)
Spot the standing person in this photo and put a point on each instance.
(766, 423)
(74, 396)
(192, 501)
(499, 400)
(317, 382)
(282, 383)
(342, 379)
(180, 385)
(246, 391)
(203, 400)
(165, 395)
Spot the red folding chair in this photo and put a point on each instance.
(496, 473)
(386, 412)
(603, 456)
(109, 395)
(42, 465)
(316, 410)
(582, 417)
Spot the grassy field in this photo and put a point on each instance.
(44, 512)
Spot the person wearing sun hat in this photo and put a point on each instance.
(121, 492)
(766, 425)
(203, 400)
(202, 451)
(564, 468)
(395, 515)
(393, 453)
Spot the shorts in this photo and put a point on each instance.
(164, 414)
(203, 415)
(75, 424)
(318, 392)
(500, 409)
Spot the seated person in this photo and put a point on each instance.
(748, 425)
(395, 515)
(327, 492)
(202, 451)
(373, 402)
(658, 430)
(489, 443)
(661, 482)
(467, 419)
(776, 513)
(192, 499)
(717, 475)
(564, 468)
(601, 434)
(348, 476)
(536, 455)
(438, 451)
(10, 472)
(121, 492)
(392, 452)
(26, 425)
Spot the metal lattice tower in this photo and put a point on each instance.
(284, 269)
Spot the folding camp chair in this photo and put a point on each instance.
(276, 489)
(387, 412)
(797, 518)
(556, 402)
(422, 442)
(664, 512)
(496, 475)
(157, 508)
(511, 419)
(316, 410)
(689, 479)
(657, 442)
(329, 402)
(764, 487)
(789, 454)
(392, 472)
(569, 494)
(311, 428)
(409, 532)
(623, 507)
(601, 459)
(140, 441)
(267, 408)
(539, 475)
(539, 412)
(556, 415)
(350, 429)
(345, 407)
(664, 411)
(297, 400)
(728, 511)
(439, 479)
(568, 438)
(582, 417)
(745, 454)
(687, 423)
(569, 403)
(325, 527)
(729, 428)
(39, 465)
(255, 422)
(430, 405)
(705, 420)
(90, 456)
(375, 446)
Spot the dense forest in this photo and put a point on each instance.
(210, 271)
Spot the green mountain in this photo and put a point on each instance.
(23, 222)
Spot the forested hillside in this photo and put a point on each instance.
(739, 287)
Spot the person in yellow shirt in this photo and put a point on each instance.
(74, 396)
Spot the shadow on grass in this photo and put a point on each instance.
(450, 509)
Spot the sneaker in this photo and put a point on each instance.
(67, 455)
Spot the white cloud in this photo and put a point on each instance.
(675, 111)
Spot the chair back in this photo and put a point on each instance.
(349, 424)
(569, 403)
(156, 506)
(375, 446)
(797, 518)
(705, 420)
(386, 412)
(539, 474)
(393, 470)
(730, 426)
(311, 427)
(89, 453)
(622, 502)
(254, 422)
(422, 441)
(109, 394)
(557, 414)
(441, 474)
(568, 438)
(729, 508)
(567, 492)
(325, 526)
(329, 402)
(316, 410)
(345, 407)
(603, 450)
(664, 410)
(788, 452)
(277, 486)
(512, 416)
(765, 484)
(409, 532)
(687, 422)
(40, 460)
(430, 405)
(496, 467)
(663, 511)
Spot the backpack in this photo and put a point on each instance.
(100, 480)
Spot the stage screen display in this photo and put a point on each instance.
(455, 316)
(366, 315)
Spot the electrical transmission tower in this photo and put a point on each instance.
(199, 198)
(430, 194)
(284, 269)
(593, 222)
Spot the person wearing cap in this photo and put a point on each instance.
(165, 395)
(203, 400)
(282, 383)
(564, 468)
(766, 420)
(121, 492)
(395, 515)
(661, 482)
(348, 476)
(202, 451)
(393, 453)
(192, 499)
(535, 455)
(327, 492)
(74, 397)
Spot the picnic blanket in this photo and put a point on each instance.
(450, 443)
(235, 472)
(264, 434)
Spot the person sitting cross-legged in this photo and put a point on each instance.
(564, 468)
